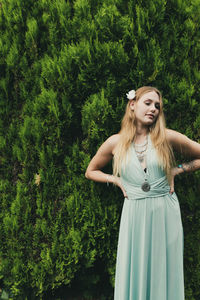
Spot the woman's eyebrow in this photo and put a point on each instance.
(152, 100)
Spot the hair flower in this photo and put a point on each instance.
(131, 94)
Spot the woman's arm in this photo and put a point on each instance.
(101, 158)
(183, 145)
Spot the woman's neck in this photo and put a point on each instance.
(142, 131)
(141, 134)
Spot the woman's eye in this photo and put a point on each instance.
(147, 103)
(157, 105)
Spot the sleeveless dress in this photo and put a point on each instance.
(150, 245)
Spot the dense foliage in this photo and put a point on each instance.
(65, 67)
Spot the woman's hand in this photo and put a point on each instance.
(117, 181)
(174, 171)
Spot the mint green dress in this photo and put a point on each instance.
(150, 244)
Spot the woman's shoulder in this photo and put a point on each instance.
(170, 134)
(114, 139)
(112, 142)
(181, 143)
(175, 136)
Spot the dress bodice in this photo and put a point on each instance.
(133, 175)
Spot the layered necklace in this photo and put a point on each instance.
(140, 150)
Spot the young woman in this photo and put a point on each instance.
(150, 246)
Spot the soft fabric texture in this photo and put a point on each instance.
(150, 246)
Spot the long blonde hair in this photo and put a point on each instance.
(157, 132)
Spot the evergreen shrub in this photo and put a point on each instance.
(65, 68)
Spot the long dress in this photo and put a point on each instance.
(150, 245)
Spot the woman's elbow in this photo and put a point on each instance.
(87, 174)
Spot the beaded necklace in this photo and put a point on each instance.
(140, 150)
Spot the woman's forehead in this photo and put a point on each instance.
(150, 95)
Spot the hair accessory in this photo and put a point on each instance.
(131, 94)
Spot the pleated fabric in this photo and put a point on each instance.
(150, 245)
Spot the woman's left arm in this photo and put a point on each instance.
(187, 147)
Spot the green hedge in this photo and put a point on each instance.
(65, 67)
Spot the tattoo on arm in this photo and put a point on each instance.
(190, 166)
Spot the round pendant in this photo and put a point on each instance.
(146, 186)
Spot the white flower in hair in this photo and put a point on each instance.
(131, 94)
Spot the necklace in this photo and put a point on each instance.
(140, 150)
(141, 145)
(145, 186)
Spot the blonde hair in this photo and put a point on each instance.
(157, 132)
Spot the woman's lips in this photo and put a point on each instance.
(150, 116)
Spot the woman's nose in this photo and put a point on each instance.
(152, 108)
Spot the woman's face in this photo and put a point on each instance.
(146, 109)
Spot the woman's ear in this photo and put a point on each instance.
(132, 103)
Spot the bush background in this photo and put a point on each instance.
(65, 68)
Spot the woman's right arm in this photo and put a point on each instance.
(101, 158)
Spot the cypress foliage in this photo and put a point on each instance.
(65, 67)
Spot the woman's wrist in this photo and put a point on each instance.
(109, 179)
(181, 169)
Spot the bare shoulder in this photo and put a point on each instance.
(113, 139)
(110, 143)
(174, 137)
(182, 143)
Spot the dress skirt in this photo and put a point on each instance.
(150, 250)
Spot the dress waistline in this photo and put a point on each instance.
(158, 188)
